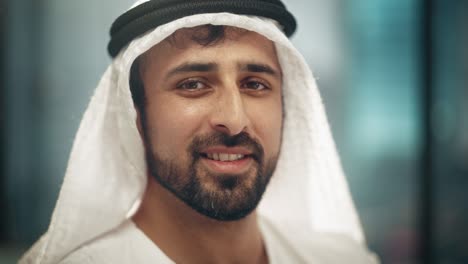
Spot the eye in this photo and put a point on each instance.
(255, 85)
(191, 85)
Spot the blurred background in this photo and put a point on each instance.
(393, 74)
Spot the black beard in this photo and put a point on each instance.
(233, 197)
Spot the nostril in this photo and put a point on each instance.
(228, 123)
(222, 128)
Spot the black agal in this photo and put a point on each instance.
(154, 13)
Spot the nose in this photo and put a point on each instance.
(229, 114)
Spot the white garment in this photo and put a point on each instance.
(129, 245)
(106, 174)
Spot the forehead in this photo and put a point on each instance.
(188, 42)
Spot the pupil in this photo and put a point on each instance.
(193, 85)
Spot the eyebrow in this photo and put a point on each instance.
(259, 68)
(211, 66)
(193, 67)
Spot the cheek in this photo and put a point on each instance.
(172, 124)
(267, 124)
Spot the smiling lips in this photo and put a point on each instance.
(227, 160)
(224, 156)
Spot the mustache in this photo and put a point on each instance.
(217, 138)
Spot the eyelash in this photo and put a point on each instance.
(183, 85)
(246, 84)
(257, 83)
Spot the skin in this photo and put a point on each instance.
(229, 98)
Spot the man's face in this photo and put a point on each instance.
(212, 120)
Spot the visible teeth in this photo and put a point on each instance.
(224, 156)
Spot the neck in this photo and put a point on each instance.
(186, 236)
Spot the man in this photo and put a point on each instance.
(206, 112)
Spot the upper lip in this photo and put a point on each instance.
(228, 150)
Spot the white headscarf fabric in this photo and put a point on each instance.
(106, 175)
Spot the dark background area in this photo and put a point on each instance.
(393, 74)
(3, 226)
